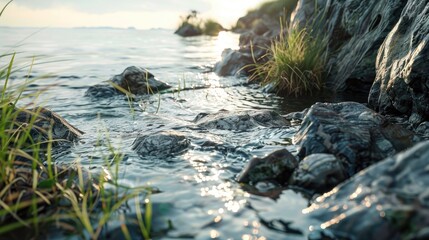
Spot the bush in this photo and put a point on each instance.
(212, 28)
(296, 63)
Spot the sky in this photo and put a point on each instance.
(141, 14)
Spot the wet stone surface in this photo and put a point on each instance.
(353, 133)
(161, 144)
(277, 166)
(135, 80)
(386, 201)
(319, 173)
(240, 121)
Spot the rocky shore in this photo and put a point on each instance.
(378, 48)
(363, 167)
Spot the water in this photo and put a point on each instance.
(199, 194)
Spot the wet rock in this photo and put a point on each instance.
(135, 80)
(45, 121)
(296, 117)
(386, 201)
(233, 63)
(188, 30)
(402, 81)
(161, 144)
(319, 173)
(241, 121)
(277, 166)
(423, 130)
(355, 134)
(356, 30)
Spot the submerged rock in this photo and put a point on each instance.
(402, 80)
(319, 173)
(355, 134)
(277, 166)
(241, 121)
(389, 200)
(161, 144)
(134, 80)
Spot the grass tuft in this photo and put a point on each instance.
(296, 64)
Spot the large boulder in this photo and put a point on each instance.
(355, 30)
(240, 121)
(389, 200)
(402, 81)
(133, 80)
(353, 133)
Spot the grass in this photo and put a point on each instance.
(296, 64)
(38, 195)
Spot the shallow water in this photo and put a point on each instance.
(198, 189)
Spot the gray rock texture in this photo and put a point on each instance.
(402, 82)
(161, 144)
(319, 172)
(389, 200)
(62, 132)
(233, 63)
(277, 166)
(355, 134)
(356, 30)
(240, 121)
(134, 80)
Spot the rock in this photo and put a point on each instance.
(241, 121)
(355, 30)
(319, 173)
(423, 130)
(135, 80)
(277, 166)
(389, 200)
(355, 134)
(188, 30)
(233, 63)
(63, 133)
(161, 144)
(402, 81)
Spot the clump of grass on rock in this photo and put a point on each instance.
(296, 63)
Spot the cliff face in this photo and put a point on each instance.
(402, 82)
(356, 30)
